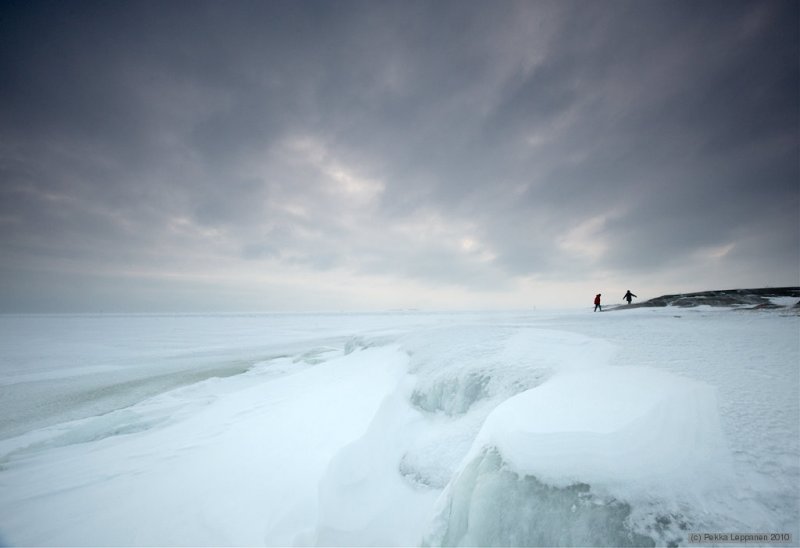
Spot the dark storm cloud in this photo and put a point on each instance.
(449, 143)
(692, 126)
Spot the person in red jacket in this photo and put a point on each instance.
(597, 303)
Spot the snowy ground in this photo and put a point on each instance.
(632, 427)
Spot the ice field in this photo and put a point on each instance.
(632, 427)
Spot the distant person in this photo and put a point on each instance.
(597, 303)
(629, 296)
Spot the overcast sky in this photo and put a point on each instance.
(247, 156)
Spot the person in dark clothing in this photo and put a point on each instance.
(597, 303)
(629, 296)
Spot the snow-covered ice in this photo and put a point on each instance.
(634, 427)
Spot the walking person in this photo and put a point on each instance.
(597, 304)
(629, 296)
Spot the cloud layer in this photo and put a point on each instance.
(305, 155)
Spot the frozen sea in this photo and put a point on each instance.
(631, 427)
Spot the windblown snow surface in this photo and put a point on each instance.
(638, 427)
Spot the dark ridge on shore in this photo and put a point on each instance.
(752, 299)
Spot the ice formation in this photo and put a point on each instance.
(570, 458)
(632, 428)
